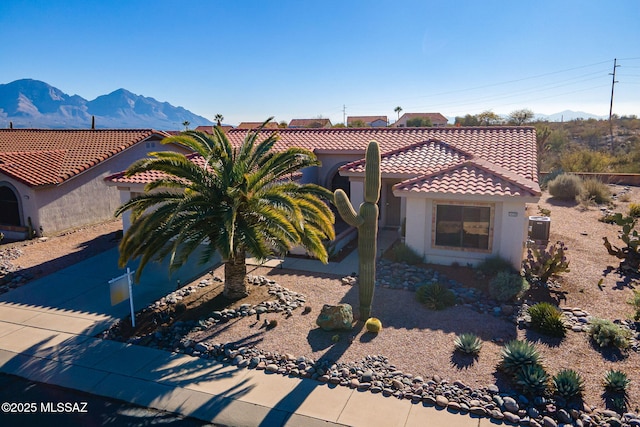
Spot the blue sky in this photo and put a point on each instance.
(249, 60)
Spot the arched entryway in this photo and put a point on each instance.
(9, 206)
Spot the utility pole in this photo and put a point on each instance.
(613, 84)
(344, 114)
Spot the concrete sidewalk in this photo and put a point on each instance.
(46, 335)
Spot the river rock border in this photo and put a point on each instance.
(376, 373)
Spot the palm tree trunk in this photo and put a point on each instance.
(235, 272)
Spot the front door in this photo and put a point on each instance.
(392, 207)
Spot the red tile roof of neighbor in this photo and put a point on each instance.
(40, 157)
(434, 117)
(151, 176)
(304, 123)
(365, 119)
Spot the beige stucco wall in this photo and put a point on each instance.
(25, 196)
(86, 199)
(509, 231)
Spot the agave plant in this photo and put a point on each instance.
(516, 354)
(568, 384)
(435, 296)
(533, 379)
(547, 318)
(616, 381)
(468, 343)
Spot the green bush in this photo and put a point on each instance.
(533, 380)
(616, 381)
(515, 354)
(568, 384)
(491, 266)
(596, 191)
(543, 264)
(634, 210)
(403, 253)
(507, 286)
(468, 343)
(435, 296)
(606, 334)
(565, 187)
(547, 319)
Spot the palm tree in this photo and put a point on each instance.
(398, 109)
(234, 200)
(219, 118)
(186, 124)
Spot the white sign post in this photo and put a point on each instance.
(121, 290)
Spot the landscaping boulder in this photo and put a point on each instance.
(334, 317)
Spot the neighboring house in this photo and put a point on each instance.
(310, 123)
(437, 119)
(369, 121)
(461, 192)
(53, 180)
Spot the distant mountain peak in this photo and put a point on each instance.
(36, 104)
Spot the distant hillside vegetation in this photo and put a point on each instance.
(587, 146)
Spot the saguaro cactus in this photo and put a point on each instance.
(367, 223)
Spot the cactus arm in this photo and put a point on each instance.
(346, 210)
(372, 173)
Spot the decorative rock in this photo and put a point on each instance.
(549, 422)
(335, 317)
(272, 367)
(511, 418)
(442, 401)
(563, 416)
(511, 405)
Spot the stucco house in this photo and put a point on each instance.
(53, 180)
(309, 123)
(461, 193)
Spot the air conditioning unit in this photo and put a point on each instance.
(539, 227)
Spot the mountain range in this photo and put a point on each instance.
(31, 103)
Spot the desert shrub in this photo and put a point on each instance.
(543, 264)
(635, 303)
(533, 380)
(616, 381)
(468, 343)
(507, 286)
(568, 384)
(565, 187)
(516, 354)
(435, 296)
(491, 266)
(634, 210)
(547, 318)
(596, 191)
(403, 253)
(544, 182)
(629, 254)
(606, 334)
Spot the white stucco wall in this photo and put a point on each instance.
(509, 231)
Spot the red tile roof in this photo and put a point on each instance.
(471, 178)
(510, 147)
(310, 123)
(151, 176)
(418, 158)
(255, 125)
(434, 117)
(366, 119)
(39, 157)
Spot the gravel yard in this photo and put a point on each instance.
(415, 340)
